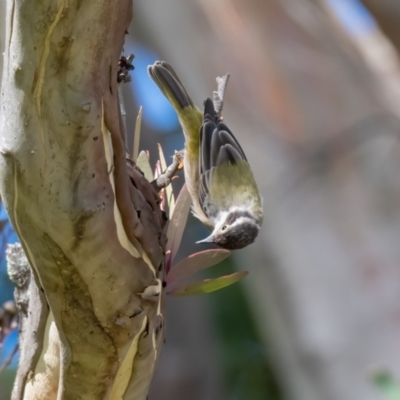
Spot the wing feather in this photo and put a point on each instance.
(218, 146)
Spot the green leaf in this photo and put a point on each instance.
(177, 222)
(208, 285)
(194, 263)
(144, 164)
(384, 381)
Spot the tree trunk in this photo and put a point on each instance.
(88, 221)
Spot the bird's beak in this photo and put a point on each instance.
(208, 239)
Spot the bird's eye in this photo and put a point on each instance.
(224, 227)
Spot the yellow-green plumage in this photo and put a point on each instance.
(218, 177)
(235, 184)
(190, 118)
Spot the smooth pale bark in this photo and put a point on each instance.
(88, 221)
(2, 31)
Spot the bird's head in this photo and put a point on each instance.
(234, 230)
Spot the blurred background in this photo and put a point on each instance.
(314, 99)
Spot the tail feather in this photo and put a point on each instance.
(169, 83)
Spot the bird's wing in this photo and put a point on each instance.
(218, 146)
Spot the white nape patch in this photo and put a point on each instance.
(243, 208)
(242, 220)
(219, 220)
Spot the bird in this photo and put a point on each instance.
(224, 193)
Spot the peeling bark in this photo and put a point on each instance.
(88, 221)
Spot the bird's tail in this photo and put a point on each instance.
(190, 117)
(169, 83)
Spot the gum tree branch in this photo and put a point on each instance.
(88, 221)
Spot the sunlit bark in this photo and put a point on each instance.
(88, 221)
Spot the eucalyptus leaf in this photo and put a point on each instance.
(177, 223)
(208, 285)
(144, 164)
(194, 263)
(136, 135)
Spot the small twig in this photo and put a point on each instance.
(167, 176)
(123, 76)
(218, 96)
(8, 320)
(9, 359)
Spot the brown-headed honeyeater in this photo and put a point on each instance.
(224, 193)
